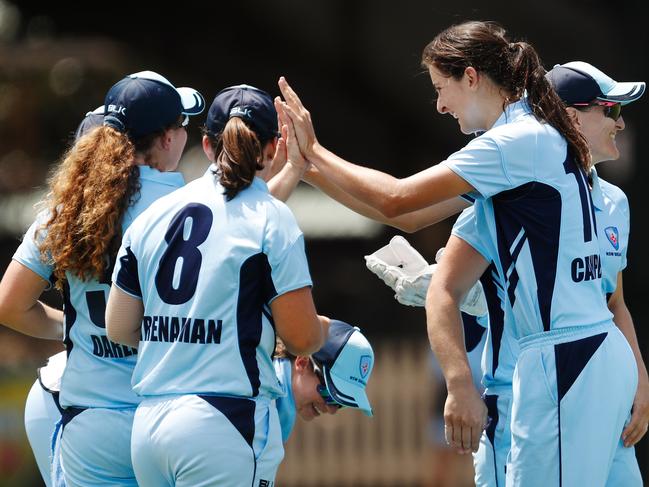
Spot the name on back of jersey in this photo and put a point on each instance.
(181, 329)
(103, 347)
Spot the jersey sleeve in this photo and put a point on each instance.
(285, 403)
(466, 228)
(284, 247)
(125, 273)
(625, 210)
(28, 253)
(498, 160)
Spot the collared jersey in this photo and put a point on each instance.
(207, 270)
(98, 371)
(534, 204)
(501, 350)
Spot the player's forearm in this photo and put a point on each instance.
(123, 317)
(39, 321)
(317, 179)
(281, 185)
(446, 338)
(378, 190)
(408, 222)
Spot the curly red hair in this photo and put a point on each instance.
(89, 192)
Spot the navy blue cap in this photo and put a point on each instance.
(90, 121)
(144, 103)
(251, 104)
(578, 82)
(347, 360)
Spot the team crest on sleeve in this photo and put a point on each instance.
(365, 363)
(613, 237)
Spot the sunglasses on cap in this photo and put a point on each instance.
(611, 109)
(322, 387)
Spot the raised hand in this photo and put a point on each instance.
(280, 155)
(301, 118)
(294, 155)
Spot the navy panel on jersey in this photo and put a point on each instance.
(531, 212)
(256, 288)
(473, 331)
(491, 401)
(240, 412)
(496, 313)
(127, 278)
(70, 316)
(572, 357)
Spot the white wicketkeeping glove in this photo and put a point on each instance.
(396, 260)
(474, 302)
(411, 290)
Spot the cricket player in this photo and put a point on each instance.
(204, 302)
(597, 118)
(107, 177)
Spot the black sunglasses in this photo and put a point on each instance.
(322, 387)
(611, 109)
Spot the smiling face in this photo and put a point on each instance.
(468, 99)
(600, 132)
(309, 403)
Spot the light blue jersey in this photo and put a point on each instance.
(286, 402)
(98, 371)
(613, 218)
(207, 270)
(501, 351)
(533, 202)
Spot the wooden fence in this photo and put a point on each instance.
(393, 448)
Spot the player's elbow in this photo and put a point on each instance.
(297, 323)
(9, 311)
(113, 330)
(309, 341)
(395, 200)
(391, 206)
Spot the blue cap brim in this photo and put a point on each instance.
(347, 394)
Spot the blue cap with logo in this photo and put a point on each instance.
(90, 121)
(347, 360)
(578, 82)
(144, 103)
(251, 104)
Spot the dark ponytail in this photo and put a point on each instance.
(239, 155)
(514, 66)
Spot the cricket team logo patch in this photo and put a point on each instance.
(365, 363)
(613, 237)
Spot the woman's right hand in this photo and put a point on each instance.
(300, 117)
(294, 154)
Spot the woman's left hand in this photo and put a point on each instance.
(637, 427)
